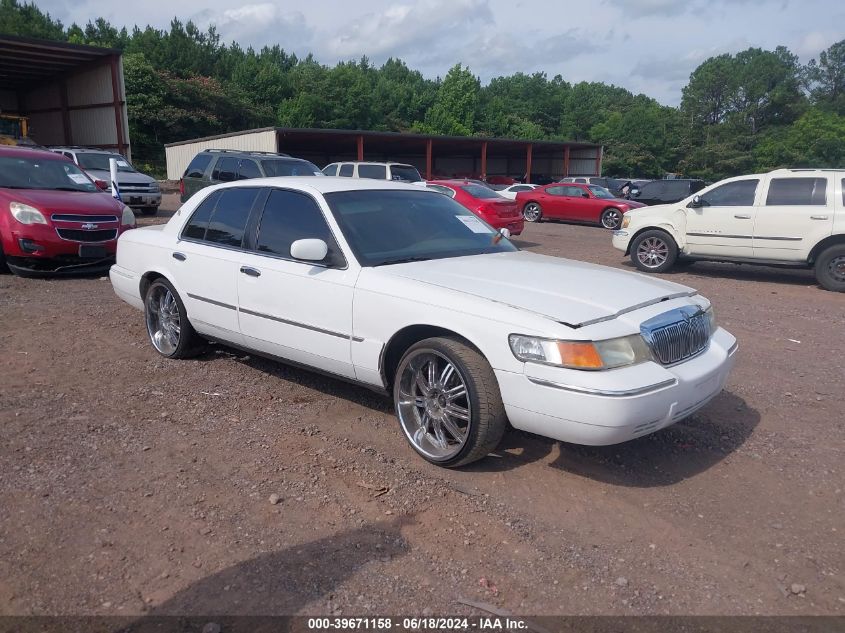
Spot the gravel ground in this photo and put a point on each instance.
(230, 484)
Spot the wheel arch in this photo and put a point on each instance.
(830, 240)
(666, 228)
(403, 339)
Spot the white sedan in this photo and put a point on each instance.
(511, 191)
(405, 291)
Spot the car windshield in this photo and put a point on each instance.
(389, 227)
(481, 192)
(91, 160)
(36, 173)
(601, 192)
(279, 167)
(405, 173)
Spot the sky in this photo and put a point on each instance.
(646, 46)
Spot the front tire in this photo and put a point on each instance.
(532, 212)
(448, 402)
(654, 251)
(611, 218)
(167, 322)
(830, 268)
(4, 267)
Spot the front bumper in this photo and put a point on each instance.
(622, 240)
(140, 200)
(600, 408)
(37, 248)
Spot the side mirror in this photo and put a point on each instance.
(309, 250)
(102, 185)
(696, 202)
(505, 233)
(585, 195)
(634, 193)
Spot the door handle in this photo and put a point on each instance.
(819, 217)
(740, 216)
(252, 272)
(179, 257)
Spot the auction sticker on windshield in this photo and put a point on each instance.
(79, 179)
(474, 224)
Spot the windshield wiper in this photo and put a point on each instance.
(402, 260)
(67, 189)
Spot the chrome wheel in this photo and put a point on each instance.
(163, 322)
(836, 268)
(652, 252)
(611, 219)
(532, 212)
(433, 404)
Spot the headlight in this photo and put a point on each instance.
(626, 220)
(128, 217)
(711, 319)
(26, 214)
(608, 354)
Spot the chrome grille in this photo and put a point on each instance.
(677, 335)
(71, 217)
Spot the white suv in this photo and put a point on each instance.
(380, 171)
(788, 217)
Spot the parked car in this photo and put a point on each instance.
(498, 212)
(666, 191)
(501, 180)
(380, 171)
(213, 166)
(53, 218)
(510, 192)
(614, 185)
(408, 293)
(792, 217)
(137, 190)
(574, 202)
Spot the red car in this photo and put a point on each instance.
(53, 218)
(576, 202)
(497, 211)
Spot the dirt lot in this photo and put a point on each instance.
(131, 484)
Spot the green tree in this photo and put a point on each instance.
(453, 111)
(29, 21)
(827, 78)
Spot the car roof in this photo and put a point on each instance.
(28, 152)
(82, 150)
(323, 184)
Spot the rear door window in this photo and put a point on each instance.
(248, 169)
(346, 170)
(228, 222)
(379, 172)
(196, 226)
(797, 191)
(197, 167)
(226, 170)
(289, 216)
(405, 173)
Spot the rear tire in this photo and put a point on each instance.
(654, 251)
(448, 402)
(611, 218)
(532, 212)
(167, 322)
(830, 268)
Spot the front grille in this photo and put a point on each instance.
(136, 188)
(77, 235)
(677, 335)
(69, 217)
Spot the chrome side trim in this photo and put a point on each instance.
(731, 237)
(212, 302)
(304, 326)
(607, 393)
(733, 348)
(778, 239)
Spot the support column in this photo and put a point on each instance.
(428, 145)
(118, 113)
(484, 160)
(360, 142)
(529, 151)
(598, 160)
(566, 161)
(66, 133)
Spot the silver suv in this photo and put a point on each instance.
(400, 172)
(137, 190)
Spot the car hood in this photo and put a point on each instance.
(633, 204)
(123, 177)
(570, 292)
(76, 202)
(655, 210)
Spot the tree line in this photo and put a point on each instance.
(755, 110)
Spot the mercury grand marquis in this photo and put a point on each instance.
(407, 292)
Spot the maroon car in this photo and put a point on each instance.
(496, 210)
(53, 218)
(575, 202)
